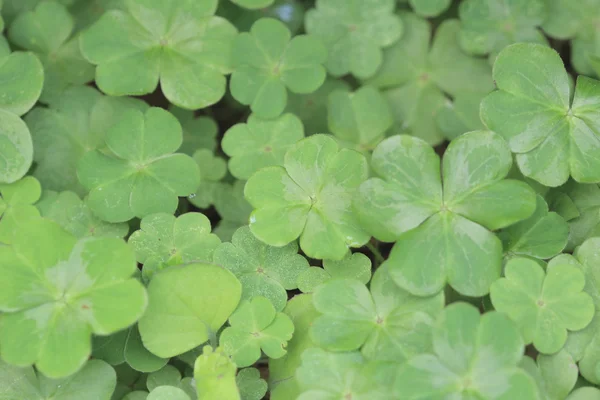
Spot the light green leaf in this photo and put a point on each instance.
(544, 306)
(355, 32)
(418, 77)
(468, 350)
(198, 133)
(487, 26)
(48, 31)
(277, 62)
(543, 235)
(263, 270)
(57, 291)
(250, 384)
(579, 205)
(282, 381)
(353, 266)
(325, 376)
(187, 305)
(73, 214)
(585, 393)
(74, 123)
(233, 209)
(16, 206)
(584, 345)
(359, 119)
(312, 108)
(260, 143)
(555, 374)
(445, 233)
(212, 170)
(310, 197)
(214, 373)
(576, 21)
(96, 379)
(167, 393)
(181, 45)
(460, 115)
(144, 176)
(256, 326)
(553, 137)
(164, 240)
(386, 323)
(16, 147)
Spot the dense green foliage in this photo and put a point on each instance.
(299, 200)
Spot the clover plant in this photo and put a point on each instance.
(299, 200)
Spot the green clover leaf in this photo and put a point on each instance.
(168, 393)
(130, 381)
(268, 61)
(263, 270)
(169, 376)
(355, 32)
(460, 115)
(164, 240)
(386, 323)
(260, 143)
(578, 22)
(354, 266)
(16, 206)
(74, 123)
(256, 326)
(187, 305)
(96, 379)
(532, 110)
(212, 170)
(282, 381)
(22, 75)
(488, 26)
(183, 46)
(443, 235)
(584, 345)
(543, 235)
(417, 77)
(585, 393)
(143, 177)
(325, 375)
(250, 384)
(126, 346)
(554, 374)
(74, 216)
(253, 4)
(58, 291)
(579, 205)
(233, 208)
(309, 197)
(214, 373)
(468, 350)
(198, 133)
(544, 305)
(312, 108)
(290, 12)
(359, 119)
(47, 31)
(429, 8)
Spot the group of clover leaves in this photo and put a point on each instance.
(458, 222)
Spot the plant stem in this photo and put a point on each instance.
(375, 251)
